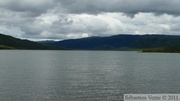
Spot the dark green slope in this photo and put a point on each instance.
(9, 42)
(167, 49)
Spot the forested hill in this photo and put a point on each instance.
(119, 42)
(9, 42)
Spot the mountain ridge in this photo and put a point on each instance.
(116, 42)
(119, 42)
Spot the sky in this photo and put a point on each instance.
(70, 19)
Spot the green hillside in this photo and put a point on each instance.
(5, 47)
(9, 42)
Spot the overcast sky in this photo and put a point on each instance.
(67, 19)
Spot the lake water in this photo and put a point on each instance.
(85, 75)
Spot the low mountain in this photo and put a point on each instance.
(119, 42)
(9, 42)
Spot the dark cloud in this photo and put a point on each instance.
(31, 7)
(125, 6)
(93, 6)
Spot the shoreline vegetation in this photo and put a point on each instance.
(168, 49)
(5, 47)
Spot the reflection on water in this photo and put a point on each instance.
(85, 75)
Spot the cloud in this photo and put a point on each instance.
(67, 26)
(125, 6)
(32, 7)
(93, 6)
(64, 19)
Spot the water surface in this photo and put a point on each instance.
(85, 75)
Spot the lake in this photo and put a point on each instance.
(30, 75)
